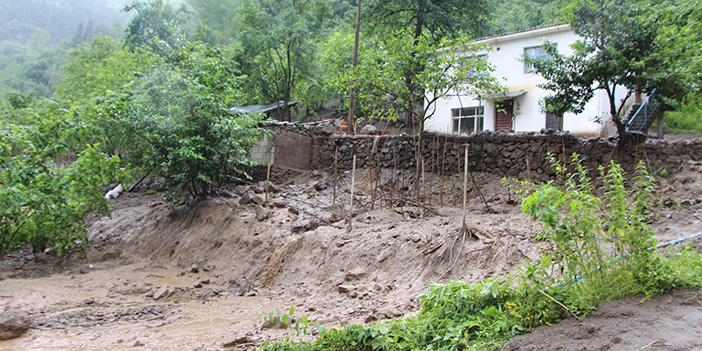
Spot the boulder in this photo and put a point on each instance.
(13, 323)
(250, 198)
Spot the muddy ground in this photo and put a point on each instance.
(221, 266)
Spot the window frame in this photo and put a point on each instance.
(459, 114)
(541, 56)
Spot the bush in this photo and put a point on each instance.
(688, 118)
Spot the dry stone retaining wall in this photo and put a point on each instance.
(496, 152)
(313, 146)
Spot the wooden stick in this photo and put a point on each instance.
(424, 191)
(268, 176)
(336, 166)
(562, 305)
(441, 173)
(465, 190)
(487, 207)
(353, 180)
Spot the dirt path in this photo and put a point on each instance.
(296, 252)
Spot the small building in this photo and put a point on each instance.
(518, 109)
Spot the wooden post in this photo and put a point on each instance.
(424, 191)
(353, 180)
(441, 173)
(465, 189)
(336, 167)
(268, 176)
(528, 169)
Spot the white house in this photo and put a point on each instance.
(518, 109)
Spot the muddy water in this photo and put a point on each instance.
(108, 308)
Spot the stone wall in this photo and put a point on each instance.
(307, 147)
(501, 153)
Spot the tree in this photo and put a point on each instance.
(617, 51)
(40, 203)
(451, 67)
(180, 112)
(434, 19)
(278, 51)
(158, 25)
(94, 68)
(217, 19)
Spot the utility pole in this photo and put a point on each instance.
(352, 98)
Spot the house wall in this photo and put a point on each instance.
(527, 115)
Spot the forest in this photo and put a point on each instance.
(100, 92)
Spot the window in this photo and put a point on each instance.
(537, 52)
(468, 120)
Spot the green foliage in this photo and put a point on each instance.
(94, 69)
(43, 203)
(436, 71)
(620, 49)
(601, 251)
(278, 48)
(158, 25)
(688, 118)
(431, 19)
(180, 113)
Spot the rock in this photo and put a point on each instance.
(89, 301)
(250, 198)
(241, 190)
(318, 186)
(316, 173)
(293, 210)
(272, 188)
(262, 213)
(40, 257)
(236, 340)
(204, 281)
(138, 343)
(162, 292)
(198, 284)
(111, 254)
(193, 268)
(355, 274)
(51, 251)
(369, 129)
(279, 203)
(13, 323)
(328, 129)
(303, 225)
(345, 288)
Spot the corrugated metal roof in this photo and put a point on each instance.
(262, 108)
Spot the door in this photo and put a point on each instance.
(503, 115)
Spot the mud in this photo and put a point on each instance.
(261, 260)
